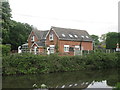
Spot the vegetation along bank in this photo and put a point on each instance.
(34, 64)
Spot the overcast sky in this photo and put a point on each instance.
(95, 16)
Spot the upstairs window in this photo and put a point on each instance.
(82, 36)
(33, 38)
(63, 35)
(76, 36)
(66, 48)
(70, 35)
(51, 36)
(87, 37)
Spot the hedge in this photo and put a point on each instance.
(33, 64)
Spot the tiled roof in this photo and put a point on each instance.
(39, 43)
(72, 34)
(40, 34)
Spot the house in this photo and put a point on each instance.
(65, 41)
(36, 41)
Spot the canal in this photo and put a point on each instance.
(80, 79)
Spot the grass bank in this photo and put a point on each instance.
(33, 64)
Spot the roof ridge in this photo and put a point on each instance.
(67, 28)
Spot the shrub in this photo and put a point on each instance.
(5, 49)
(31, 64)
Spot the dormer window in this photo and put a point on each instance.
(76, 36)
(70, 35)
(33, 38)
(82, 36)
(63, 35)
(51, 36)
(87, 37)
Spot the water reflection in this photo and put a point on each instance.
(81, 79)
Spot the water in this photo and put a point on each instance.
(80, 79)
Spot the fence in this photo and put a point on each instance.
(84, 52)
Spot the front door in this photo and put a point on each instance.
(35, 50)
(52, 47)
(77, 50)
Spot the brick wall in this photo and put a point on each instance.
(85, 45)
(29, 39)
(55, 39)
(61, 43)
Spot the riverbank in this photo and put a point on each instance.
(35, 64)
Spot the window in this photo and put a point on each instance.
(82, 36)
(33, 38)
(66, 48)
(52, 48)
(87, 37)
(77, 47)
(63, 35)
(35, 50)
(70, 35)
(76, 36)
(51, 37)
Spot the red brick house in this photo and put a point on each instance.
(65, 41)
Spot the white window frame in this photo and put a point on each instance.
(63, 35)
(77, 46)
(82, 36)
(76, 36)
(35, 49)
(70, 35)
(66, 48)
(51, 37)
(87, 37)
(52, 48)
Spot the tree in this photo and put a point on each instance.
(14, 33)
(112, 38)
(19, 33)
(5, 22)
(95, 39)
(103, 41)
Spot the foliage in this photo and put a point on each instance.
(5, 22)
(19, 33)
(102, 60)
(5, 49)
(14, 33)
(112, 38)
(103, 41)
(31, 64)
(56, 47)
(117, 87)
(95, 39)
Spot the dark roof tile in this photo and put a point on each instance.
(40, 34)
(67, 31)
(39, 43)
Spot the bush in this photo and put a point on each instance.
(5, 49)
(31, 64)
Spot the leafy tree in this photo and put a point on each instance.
(112, 38)
(14, 33)
(5, 49)
(103, 41)
(6, 15)
(95, 39)
(19, 33)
